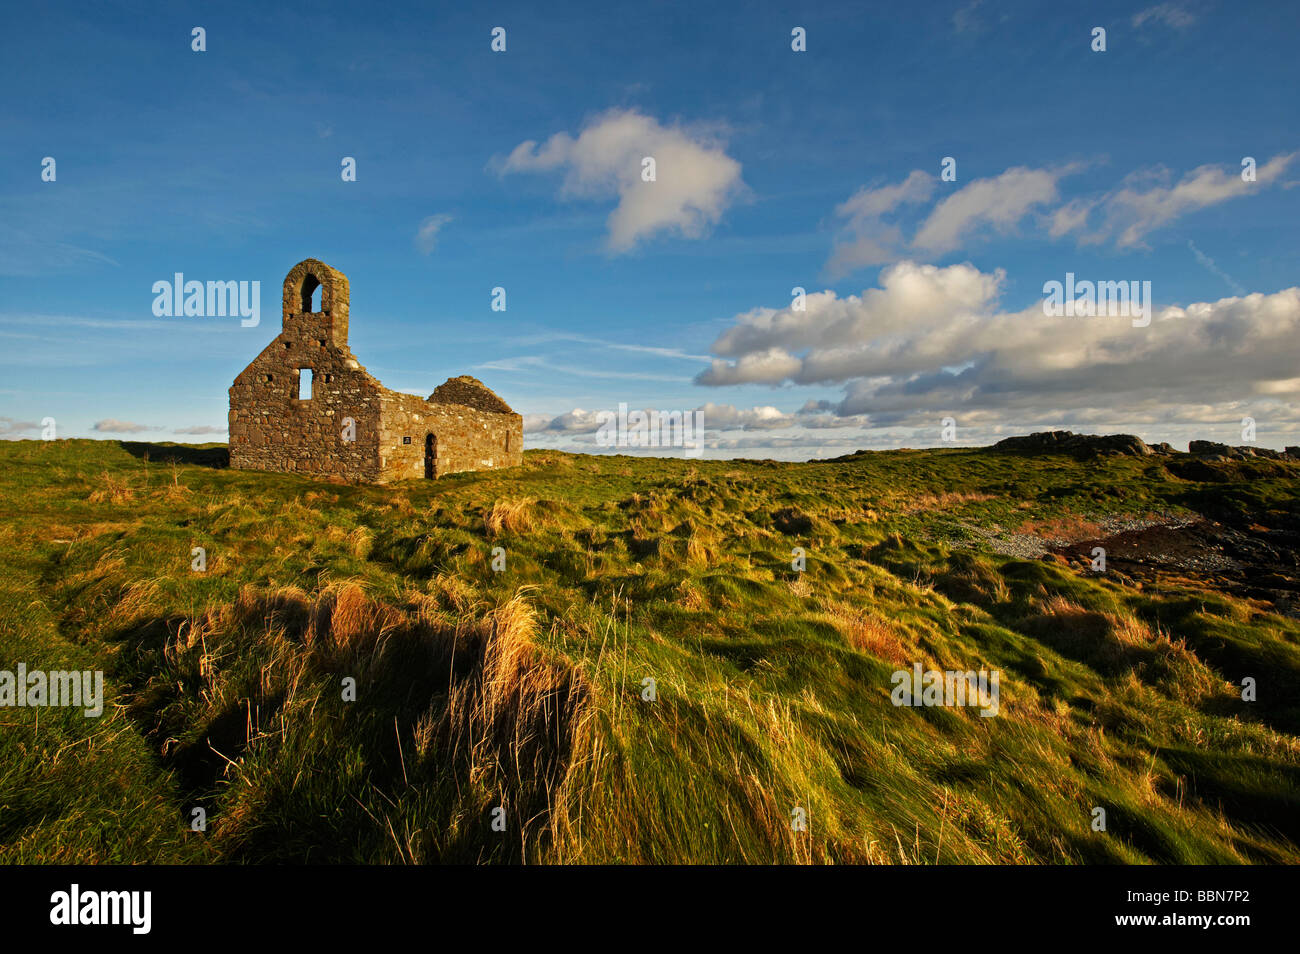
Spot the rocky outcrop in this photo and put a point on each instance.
(1126, 445)
(1212, 450)
(1079, 445)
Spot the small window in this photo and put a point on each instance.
(329, 378)
(321, 342)
(304, 384)
(267, 378)
(406, 440)
(287, 346)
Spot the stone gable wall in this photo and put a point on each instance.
(270, 429)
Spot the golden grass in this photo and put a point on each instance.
(344, 617)
(451, 592)
(799, 587)
(514, 515)
(948, 500)
(690, 596)
(866, 632)
(360, 541)
(115, 490)
(505, 718)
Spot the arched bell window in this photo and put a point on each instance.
(310, 293)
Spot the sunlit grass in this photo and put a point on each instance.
(650, 679)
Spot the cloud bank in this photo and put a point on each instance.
(934, 340)
(1028, 198)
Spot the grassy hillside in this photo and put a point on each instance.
(523, 690)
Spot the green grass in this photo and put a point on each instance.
(522, 690)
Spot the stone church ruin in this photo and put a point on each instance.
(306, 405)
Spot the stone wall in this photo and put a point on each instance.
(465, 438)
(271, 428)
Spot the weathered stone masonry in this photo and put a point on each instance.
(462, 425)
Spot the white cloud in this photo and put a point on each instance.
(200, 429)
(10, 427)
(716, 417)
(1146, 202)
(834, 331)
(1071, 217)
(1175, 15)
(695, 180)
(426, 239)
(1001, 202)
(933, 340)
(867, 204)
(869, 240)
(536, 422)
(111, 426)
(966, 19)
(728, 417)
(576, 421)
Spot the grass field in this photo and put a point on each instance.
(501, 715)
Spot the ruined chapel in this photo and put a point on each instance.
(306, 405)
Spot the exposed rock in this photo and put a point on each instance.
(1211, 450)
(1084, 446)
(1079, 445)
(1202, 448)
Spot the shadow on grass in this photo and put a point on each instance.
(180, 453)
(459, 718)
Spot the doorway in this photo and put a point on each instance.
(430, 454)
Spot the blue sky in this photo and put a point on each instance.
(775, 169)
